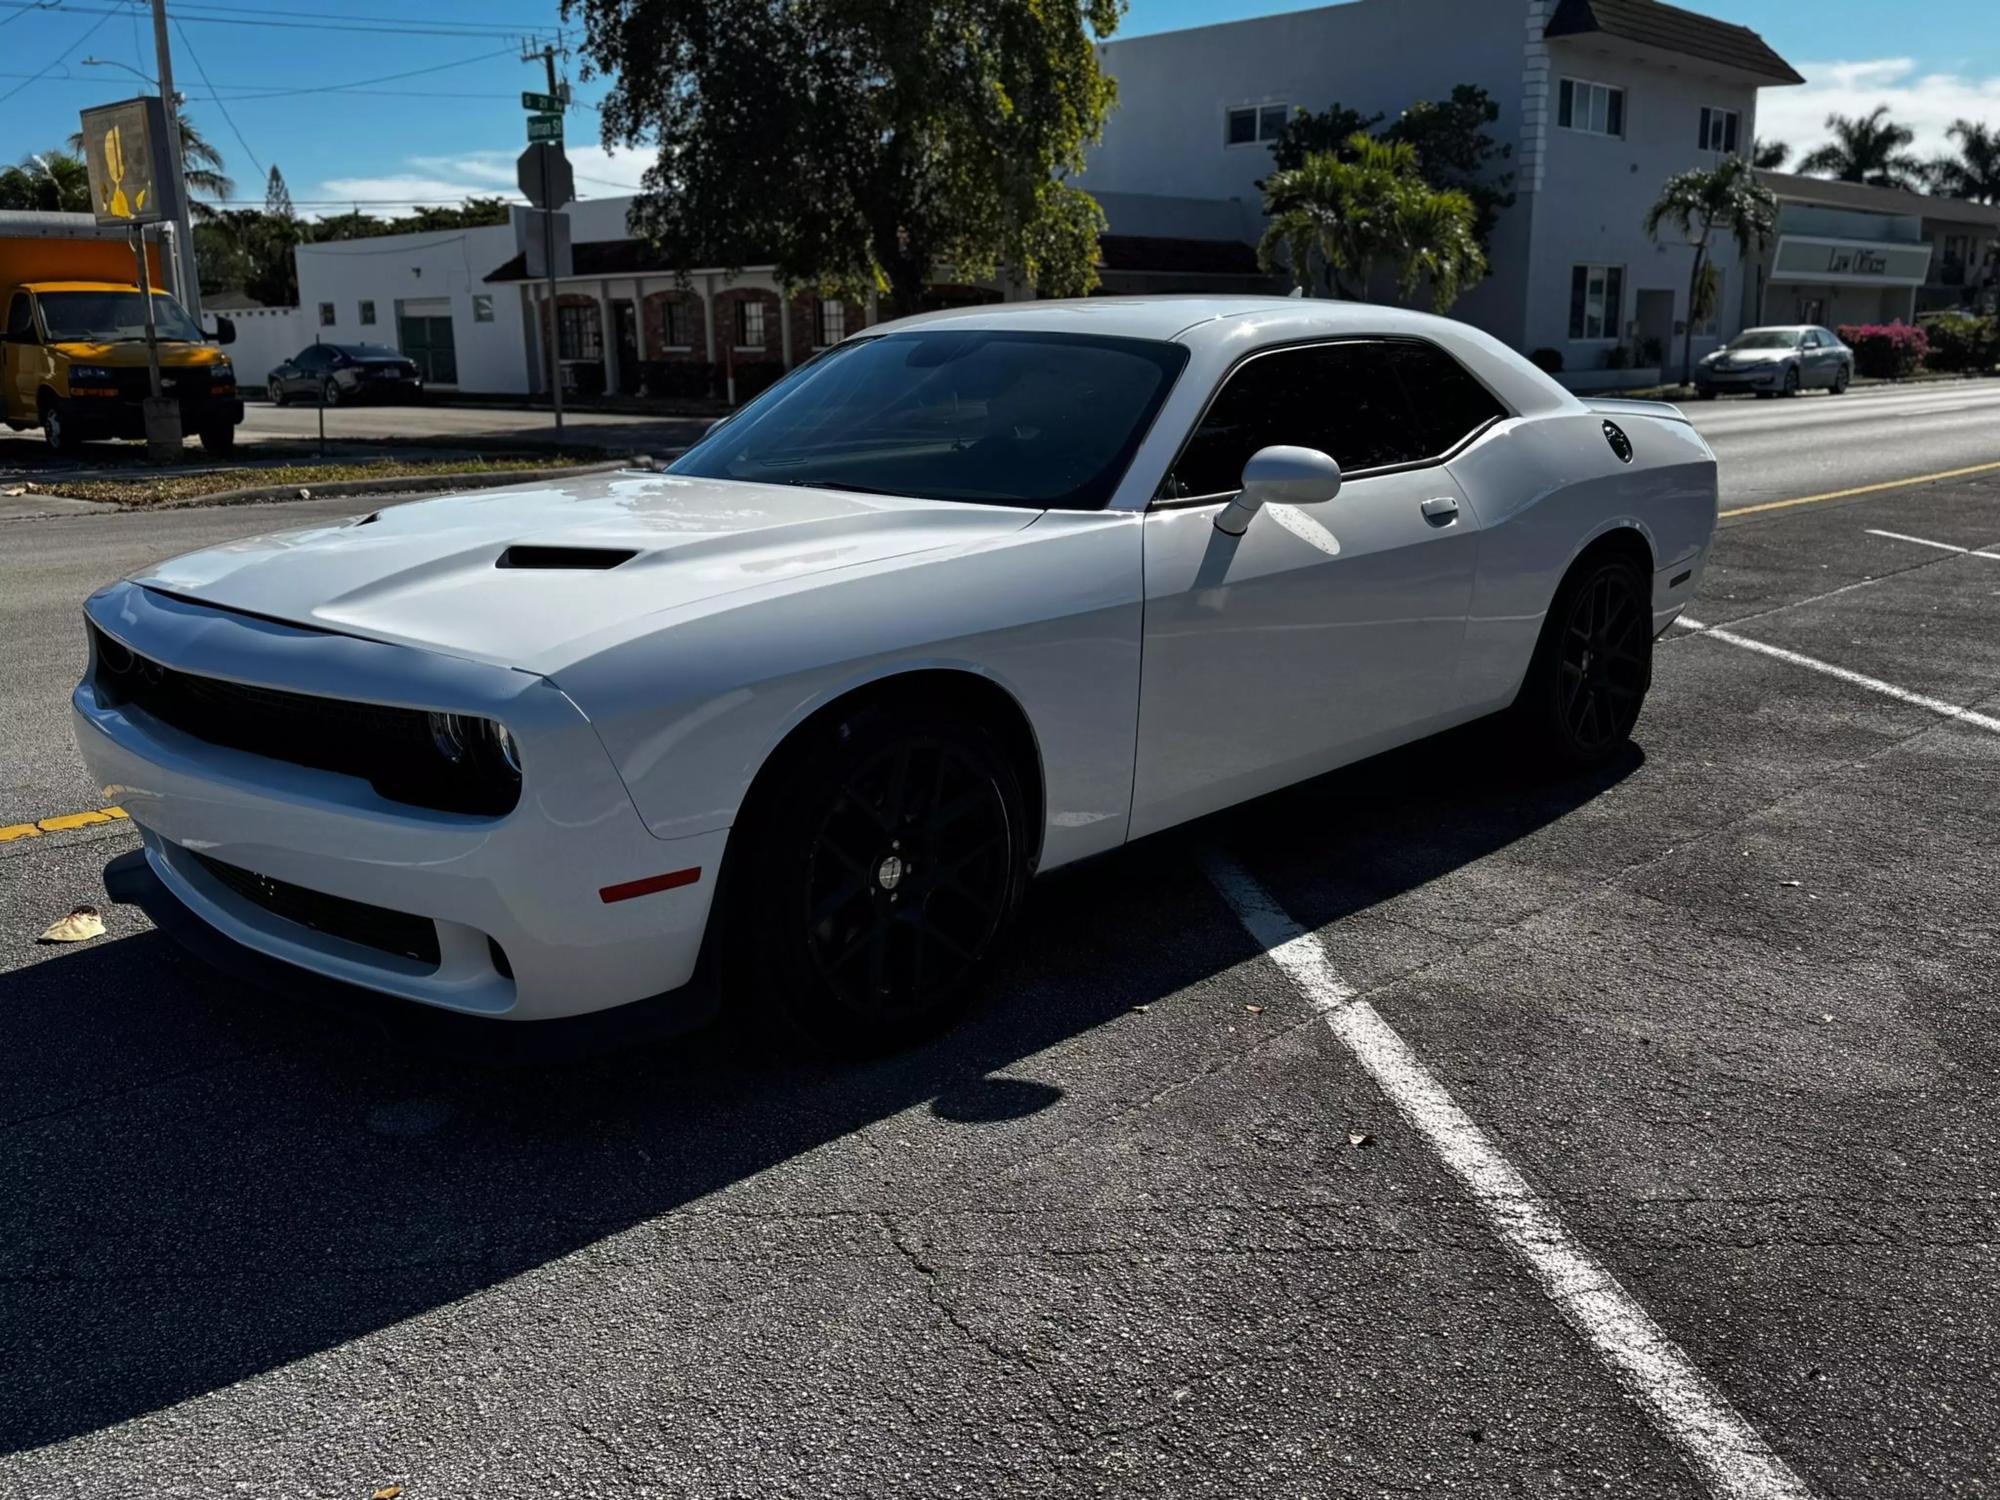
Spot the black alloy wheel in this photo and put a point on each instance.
(879, 877)
(329, 392)
(275, 389)
(1592, 667)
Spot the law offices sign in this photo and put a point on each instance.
(1802, 257)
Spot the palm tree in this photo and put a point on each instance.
(1768, 156)
(1437, 238)
(53, 182)
(1975, 172)
(1697, 204)
(1339, 206)
(1870, 148)
(201, 165)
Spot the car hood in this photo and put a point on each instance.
(1752, 356)
(518, 576)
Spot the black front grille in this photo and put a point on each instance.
(356, 921)
(390, 748)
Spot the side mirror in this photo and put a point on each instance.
(225, 330)
(1281, 476)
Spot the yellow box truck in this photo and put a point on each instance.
(74, 340)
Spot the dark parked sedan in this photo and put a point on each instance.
(339, 373)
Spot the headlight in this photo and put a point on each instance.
(222, 369)
(91, 374)
(477, 749)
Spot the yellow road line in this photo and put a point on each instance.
(59, 824)
(1864, 489)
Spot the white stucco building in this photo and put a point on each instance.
(1601, 101)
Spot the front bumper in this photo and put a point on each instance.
(111, 417)
(530, 881)
(1757, 378)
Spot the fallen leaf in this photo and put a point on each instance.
(1826, 1016)
(1142, 1009)
(1255, 1010)
(80, 926)
(387, 1492)
(1360, 1138)
(1793, 884)
(15, 489)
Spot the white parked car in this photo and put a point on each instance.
(970, 597)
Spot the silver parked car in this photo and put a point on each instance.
(1777, 362)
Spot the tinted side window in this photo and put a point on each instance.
(1343, 399)
(1449, 402)
(310, 358)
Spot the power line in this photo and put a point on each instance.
(383, 25)
(26, 9)
(227, 118)
(63, 56)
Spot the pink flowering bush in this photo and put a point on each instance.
(1888, 351)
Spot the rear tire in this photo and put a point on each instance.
(883, 864)
(329, 392)
(1592, 667)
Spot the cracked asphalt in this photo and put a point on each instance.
(1142, 1227)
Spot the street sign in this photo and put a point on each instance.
(544, 128)
(131, 173)
(544, 175)
(544, 240)
(544, 104)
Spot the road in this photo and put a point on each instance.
(470, 425)
(1150, 1224)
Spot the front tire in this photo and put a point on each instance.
(219, 438)
(275, 389)
(56, 430)
(884, 863)
(1792, 380)
(1592, 667)
(1841, 381)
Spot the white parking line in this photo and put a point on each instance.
(1897, 536)
(1717, 1442)
(1874, 684)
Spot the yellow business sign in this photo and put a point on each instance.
(124, 146)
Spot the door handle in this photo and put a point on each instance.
(1441, 510)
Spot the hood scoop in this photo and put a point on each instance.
(565, 559)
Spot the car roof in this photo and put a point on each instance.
(1784, 328)
(1190, 319)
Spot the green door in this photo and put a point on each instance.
(428, 341)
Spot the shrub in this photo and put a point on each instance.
(1548, 361)
(753, 376)
(1885, 351)
(1960, 341)
(1617, 357)
(679, 379)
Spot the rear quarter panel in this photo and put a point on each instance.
(1546, 487)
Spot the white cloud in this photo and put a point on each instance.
(439, 180)
(1926, 102)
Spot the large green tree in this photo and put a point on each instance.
(1698, 205)
(1975, 171)
(1870, 148)
(861, 145)
(1368, 204)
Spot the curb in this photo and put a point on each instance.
(402, 484)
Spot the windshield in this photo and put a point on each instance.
(1029, 418)
(1766, 338)
(112, 317)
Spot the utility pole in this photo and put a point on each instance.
(547, 54)
(190, 279)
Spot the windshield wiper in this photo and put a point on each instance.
(835, 484)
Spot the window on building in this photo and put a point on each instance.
(367, 313)
(1255, 123)
(832, 322)
(1719, 129)
(1343, 399)
(1596, 301)
(749, 325)
(677, 324)
(482, 307)
(326, 315)
(579, 334)
(1594, 108)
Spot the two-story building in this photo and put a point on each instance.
(1600, 101)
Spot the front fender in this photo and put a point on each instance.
(1051, 614)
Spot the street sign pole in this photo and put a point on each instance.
(555, 314)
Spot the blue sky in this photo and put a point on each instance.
(454, 127)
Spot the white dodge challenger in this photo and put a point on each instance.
(970, 596)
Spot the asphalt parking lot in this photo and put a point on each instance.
(1668, 1166)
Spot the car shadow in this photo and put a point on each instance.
(203, 1184)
